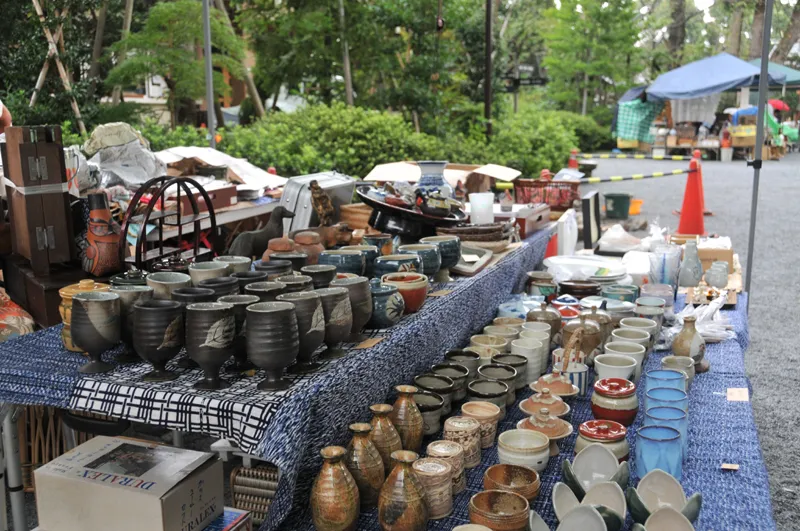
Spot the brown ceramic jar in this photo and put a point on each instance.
(383, 435)
(309, 242)
(407, 419)
(453, 453)
(365, 464)
(603, 320)
(278, 245)
(334, 495)
(592, 335)
(401, 506)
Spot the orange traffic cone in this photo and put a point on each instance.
(573, 159)
(691, 222)
(698, 156)
(552, 246)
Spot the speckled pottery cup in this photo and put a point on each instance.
(344, 261)
(221, 285)
(265, 291)
(298, 260)
(210, 331)
(249, 277)
(296, 283)
(310, 328)
(237, 264)
(387, 305)
(274, 268)
(450, 251)
(370, 253)
(467, 359)
(129, 295)
(240, 303)
(164, 282)
(428, 255)
(202, 270)
(360, 303)
(272, 341)
(321, 275)
(397, 263)
(430, 405)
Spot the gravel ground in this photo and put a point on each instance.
(772, 357)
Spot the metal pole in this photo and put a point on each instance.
(487, 81)
(348, 78)
(210, 116)
(763, 88)
(14, 472)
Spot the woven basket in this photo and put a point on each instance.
(355, 215)
(253, 490)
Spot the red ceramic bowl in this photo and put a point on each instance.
(412, 286)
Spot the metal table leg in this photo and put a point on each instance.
(14, 473)
(177, 438)
(3, 508)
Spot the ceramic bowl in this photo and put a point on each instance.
(321, 275)
(614, 366)
(658, 489)
(382, 241)
(203, 270)
(632, 350)
(237, 264)
(536, 326)
(163, 283)
(513, 478)
(593, 464)
(631, 335)
(450, 251)
(412, 286)
(499, 510)
(471, 527)
(274, 268)
(397, 263)
(428, 254)
(496, 342)
(370, 253)
(665, 519)
(493, 391)
(485, 353)
(511, 322)
(640, 323)
(525, 448)
(606, 497)
(506, 332)
(583, 518)
(344, 261)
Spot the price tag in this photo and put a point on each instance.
(738, 394)
(470, 258)
(729, 466)
(369, 343)
(440, 293)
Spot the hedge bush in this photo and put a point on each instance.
(353, 140)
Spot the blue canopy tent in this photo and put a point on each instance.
(708, 76)
(750, 111)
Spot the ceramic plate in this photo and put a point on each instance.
(564, 500)
(612, 305)
(583, 518)
(658, 489)
(607, 493)
(594, 464)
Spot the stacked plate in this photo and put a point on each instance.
(595, 268)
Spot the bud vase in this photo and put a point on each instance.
(365, 464)
(383, 435)
(334, 495)
(407, 418)
(401, 506)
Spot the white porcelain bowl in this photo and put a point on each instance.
(614, 366)
(524, 447)
(633, 350)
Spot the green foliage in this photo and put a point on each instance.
(532, 140)
(590, 135)
(162, 137)
(166, 46)
(591, 51)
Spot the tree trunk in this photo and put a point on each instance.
(677, 31)
(789, 38)
(585, 95)
(733, 43)
(757, 30)
(126, 29)
(97, 49)
(348, 79)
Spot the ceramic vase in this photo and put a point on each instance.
(310, 328)
(309, 242)
(274, 268)
(248, 277)
(321, 275)
(338, 319)
(221, 285)
(101, 256)
(95, 327)
(690, 343)
(407, 418)
(295, 283)
(432, 177)
(387, 305)
(265, 291)
(272, 341)
(128, 297)
(401, 506)
(691, 270)
(210, 331)
(187, 296)
(365, 464)
(360, 303)
(383, 435)
(240, 303)
(158, 335)
(334, 496)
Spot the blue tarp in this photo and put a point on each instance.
(707, 76)
(750, 111)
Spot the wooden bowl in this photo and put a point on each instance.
(513, 478)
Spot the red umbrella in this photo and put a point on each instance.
(778, 105)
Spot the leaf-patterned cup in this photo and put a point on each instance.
(158, 335)
(210, 331)
(272, 341)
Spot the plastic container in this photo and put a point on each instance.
(481, 208)
(617, 205)
(636, 207)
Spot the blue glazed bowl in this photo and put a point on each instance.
(344, 261)
(370, 253)
(387, 305)
(397, 263)
(428, 253)
(382, 241)
(450, 251)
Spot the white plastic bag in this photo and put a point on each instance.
(617, 239)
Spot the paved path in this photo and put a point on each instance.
(773, 358)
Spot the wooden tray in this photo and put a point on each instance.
(471, 269)
(699, 296)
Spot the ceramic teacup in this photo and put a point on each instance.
(397, 263)
(370, 253)
(614, 366)
(579, 376)
(203, 270)
(238, 264)
(534, 351)
(428, 254)
(164, 282)
(345, 261)
(632, 350)
(648, 325)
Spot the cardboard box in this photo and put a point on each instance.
(129, 485)
(709, 256)
(232, 520)
(672, 141)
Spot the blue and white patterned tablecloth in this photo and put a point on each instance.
(287, 428)
(720, 432)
